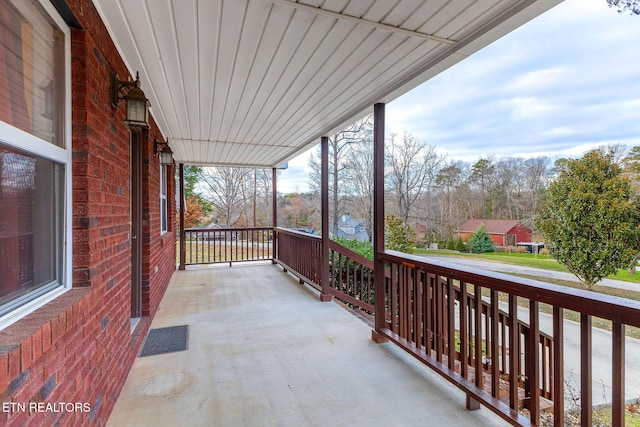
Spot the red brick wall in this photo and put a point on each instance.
(79, 348)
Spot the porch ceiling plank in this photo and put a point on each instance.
(296, 77)
(248, 57)
(265, 67)
(139, 24)
(456, 11)
(126, 22)
(399, 13)
(279, 71)
(175, 57)
(423, 18)
(188, 52)
(361, 21)
(368, 70)
(275, 26)
(256, 82)
(337, 5)
(335, 59)
(365, 9)
(208, 46)
(233, 27)
(469, 17)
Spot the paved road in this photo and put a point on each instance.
(509, 268)
(602, 347)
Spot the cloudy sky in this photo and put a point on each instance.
(564, 83)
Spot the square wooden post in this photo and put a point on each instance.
(274, 214)
(325, 294)
(378, 221)
(183, 234)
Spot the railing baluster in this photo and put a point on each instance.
(514, 353)
(451, 315)
(394, 297)
(558, 365)
(464, 337)
(416, 306)
(428, 313)
(532, 363)
(495, 371)
(402, 309)
(478, 335)
(504, 340)
(439, 338)
(618, 369)
(586, 398)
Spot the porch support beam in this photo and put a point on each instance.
(378, 220)
(324, 193)
(356, 20)
(274, 212)
(183, 234)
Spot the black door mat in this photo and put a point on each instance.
(166, 340)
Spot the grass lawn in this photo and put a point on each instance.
(544, 262)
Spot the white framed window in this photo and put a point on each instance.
(164, 219)
(35, 157)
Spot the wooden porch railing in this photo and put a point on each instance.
(449, 317)
(350, 274)
(351, 278)
(461, 322)
(301, 254)
(227, 245)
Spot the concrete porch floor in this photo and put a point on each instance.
(264, 351)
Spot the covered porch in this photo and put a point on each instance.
(264, 351)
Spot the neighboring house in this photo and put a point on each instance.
(503, 232)
(351, 228)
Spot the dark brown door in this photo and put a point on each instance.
(136, 224)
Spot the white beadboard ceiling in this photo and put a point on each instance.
(256, 82)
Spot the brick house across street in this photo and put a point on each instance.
(503, 232)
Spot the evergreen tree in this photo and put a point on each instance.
(480, 241)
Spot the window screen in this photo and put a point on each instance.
(31, 250)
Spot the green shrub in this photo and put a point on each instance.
(450, 244)
(460, 246)
(398, 236)
(363, 248)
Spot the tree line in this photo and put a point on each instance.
(423, 187)
(427, 191)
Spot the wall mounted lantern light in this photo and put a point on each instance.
(137, 103)
(166, 155)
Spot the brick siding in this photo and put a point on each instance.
(79, 348)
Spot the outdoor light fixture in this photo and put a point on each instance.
(166, 155)
(137, 103)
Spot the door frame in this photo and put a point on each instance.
(136, 223)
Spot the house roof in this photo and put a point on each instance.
(256, 82)
(493, 226)
(348, 221)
